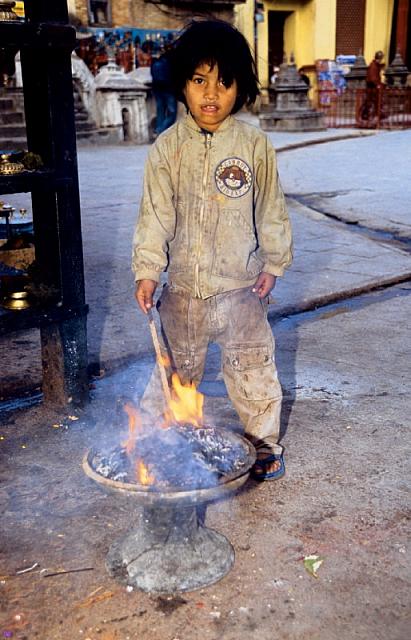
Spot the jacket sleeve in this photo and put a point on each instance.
(271, 217)
(157, 219)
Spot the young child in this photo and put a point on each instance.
(213, 216)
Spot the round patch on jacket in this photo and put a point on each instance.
(233, 177)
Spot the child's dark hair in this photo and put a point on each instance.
(215, 42)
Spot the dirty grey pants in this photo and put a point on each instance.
(237, 322)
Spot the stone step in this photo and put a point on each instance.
(18, 144)
(81, 115)
(11, 117)
(85, 126)
(7, 104)
(91, 136)
(95, 136)
(12, 131)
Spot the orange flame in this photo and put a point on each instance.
(165, 360)
(143, 474)
(135, 426)
(186, 402)
(186, 406)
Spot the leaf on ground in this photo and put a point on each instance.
(95, 598)
(312, 564)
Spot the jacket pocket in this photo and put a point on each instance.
(178, 246)
(234, 247)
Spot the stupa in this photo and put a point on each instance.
(289, 108)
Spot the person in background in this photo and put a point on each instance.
(274, 75)
(371, 110)
(213, 215)
(144, 55)
(166, 103)
(374, 69)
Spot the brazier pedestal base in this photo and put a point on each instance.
(170, 550)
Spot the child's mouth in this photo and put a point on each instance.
(209, 108)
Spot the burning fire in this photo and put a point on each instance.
(135, 426)
(186, 403)
(185, 406)
(143, 474)
(165, 360)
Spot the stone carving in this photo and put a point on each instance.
(289, 108)
(121, 102)
(84, 80)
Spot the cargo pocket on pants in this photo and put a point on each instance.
(252, 372)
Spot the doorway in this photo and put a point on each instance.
(276, 20)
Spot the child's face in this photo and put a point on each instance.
(207, 97)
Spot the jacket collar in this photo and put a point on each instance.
(191, 124)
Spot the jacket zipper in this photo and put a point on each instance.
(202, 208)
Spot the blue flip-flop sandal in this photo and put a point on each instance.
(264, 462)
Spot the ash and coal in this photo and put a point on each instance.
(181, 456)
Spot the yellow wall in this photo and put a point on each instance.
(244, 20)
(310, 30)
(325, 18)
(19, 8)
(291, 28)
(378, 20)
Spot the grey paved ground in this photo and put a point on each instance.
(345, 498)
(345, 374)
(331, 258)
(373, 190)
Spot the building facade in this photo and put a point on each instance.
(311, 30)
(322, 29)
(148, 14)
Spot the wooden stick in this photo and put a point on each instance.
(64, 571)
(162, 369)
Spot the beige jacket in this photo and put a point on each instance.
(213, 213)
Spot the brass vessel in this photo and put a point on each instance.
(9, 165)
(16, 301)
(6, 12)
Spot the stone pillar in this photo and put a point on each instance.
(134, 116)
(122, 104)
(356, 78)
(289, 108)
(396, 73)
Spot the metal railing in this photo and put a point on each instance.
(384, 108)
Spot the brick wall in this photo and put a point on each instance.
(145, 14)
(150, 15)
(350, 27)
(81, 11)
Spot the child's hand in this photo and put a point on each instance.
(144, 294)
(264, 284)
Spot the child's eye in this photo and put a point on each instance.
(198, 80)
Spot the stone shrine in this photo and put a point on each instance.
(121, 103)
(356, 77)
(396, 73)
(289, 108)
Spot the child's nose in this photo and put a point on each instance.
(211, 90)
